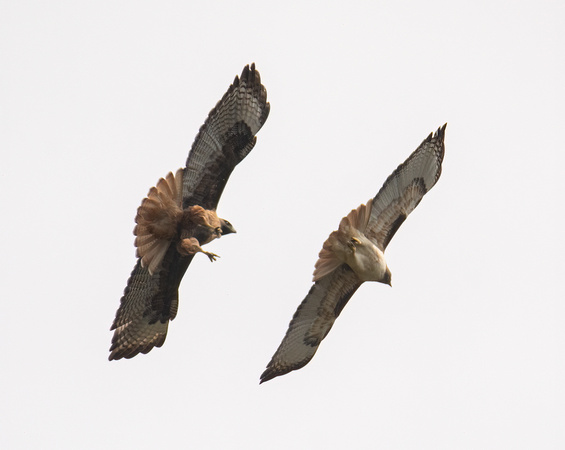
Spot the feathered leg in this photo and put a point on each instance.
(191, 246)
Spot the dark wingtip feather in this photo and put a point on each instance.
(250, 75)
(245, 73)
(267, 375)
(440, 133)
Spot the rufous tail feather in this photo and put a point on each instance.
(157, 220)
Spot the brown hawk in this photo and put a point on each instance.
(179, 216)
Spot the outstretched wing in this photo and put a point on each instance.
(312, 321)
(227, 136)
(148, 303)
(405, 188)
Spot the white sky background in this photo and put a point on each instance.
(466, 351)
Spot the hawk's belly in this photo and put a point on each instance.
(367, 261)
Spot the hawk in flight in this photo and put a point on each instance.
(178, 216)
(355, 253)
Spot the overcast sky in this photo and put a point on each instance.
(99, 99)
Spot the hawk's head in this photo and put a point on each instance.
(387, 278)
(227, 227)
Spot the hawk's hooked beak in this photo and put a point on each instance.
(387, 279)
(227, 227)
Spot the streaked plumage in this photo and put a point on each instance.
(161, 220)
(178, 216)
(355, 253)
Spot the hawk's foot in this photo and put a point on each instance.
(353, 242)
(211, 255)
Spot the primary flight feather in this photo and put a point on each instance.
(355, 253)
(178, 216)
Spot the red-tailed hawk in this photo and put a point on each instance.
(179, 216)
(355, 253)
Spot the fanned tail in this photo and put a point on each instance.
(157, 220)
(328, 259)
(359, 218)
